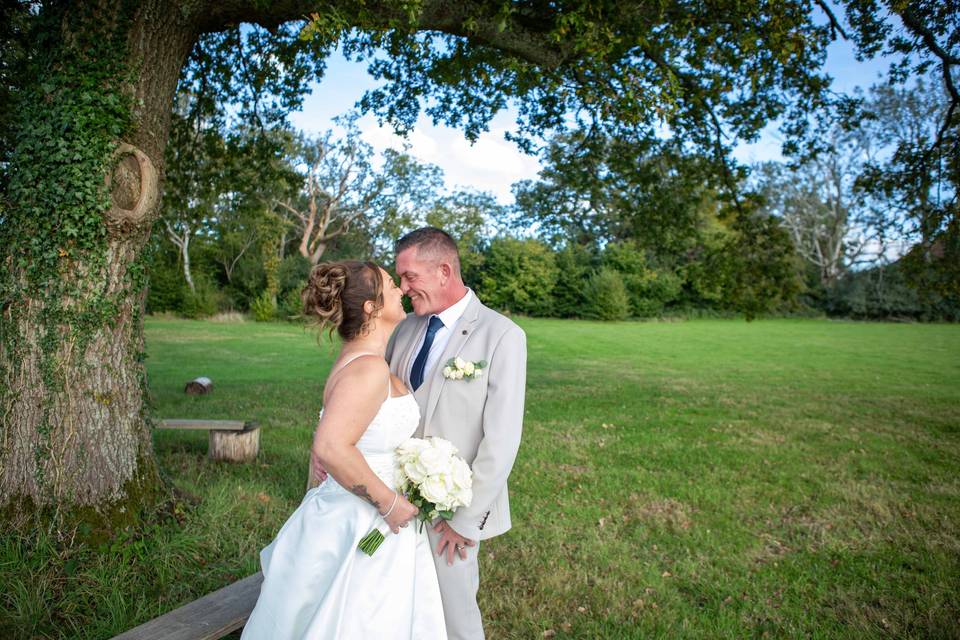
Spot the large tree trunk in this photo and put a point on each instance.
(75, 443)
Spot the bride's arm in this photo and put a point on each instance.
(351, 406)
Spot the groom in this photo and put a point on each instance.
(481, 416)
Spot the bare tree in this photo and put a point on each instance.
(339, 186)
(180, 232)
(831, 227)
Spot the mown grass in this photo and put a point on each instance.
(703, 479)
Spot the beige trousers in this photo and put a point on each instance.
(458, 591)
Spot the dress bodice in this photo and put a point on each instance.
(395, 421)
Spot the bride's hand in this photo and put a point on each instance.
(402, 513)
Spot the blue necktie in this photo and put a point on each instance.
(416, 376)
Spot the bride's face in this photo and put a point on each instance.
(392, 311)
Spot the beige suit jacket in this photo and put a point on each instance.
(482, 417)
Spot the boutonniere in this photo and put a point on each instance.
(459, 369)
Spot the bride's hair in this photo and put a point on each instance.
(335, 294)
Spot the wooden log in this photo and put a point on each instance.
(212, 616)
(235, 446)
(220, 425)
(199, 386)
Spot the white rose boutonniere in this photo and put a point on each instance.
(459, 369)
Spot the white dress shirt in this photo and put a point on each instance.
(448, 317)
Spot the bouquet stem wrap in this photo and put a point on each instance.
(372, 541)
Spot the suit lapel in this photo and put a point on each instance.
(462, 331)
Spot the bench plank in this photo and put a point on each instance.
(217, 425)
(212, 616)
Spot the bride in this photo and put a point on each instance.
(316, 583)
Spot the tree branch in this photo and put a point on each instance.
(295, 212)
(525, 39)
(835, 25)
(912, 22)
(695, 94)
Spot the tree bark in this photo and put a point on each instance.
(75, 444)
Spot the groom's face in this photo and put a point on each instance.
(420, 280)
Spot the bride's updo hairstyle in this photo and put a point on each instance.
(335, 294)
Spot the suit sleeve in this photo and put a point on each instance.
(391, 344)
(502, 425)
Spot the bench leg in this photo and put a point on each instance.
(234, 446)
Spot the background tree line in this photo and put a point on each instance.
(615, 226)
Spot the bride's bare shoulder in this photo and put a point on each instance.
(357, 379)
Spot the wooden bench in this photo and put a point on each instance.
(232, 440)
(212, 616)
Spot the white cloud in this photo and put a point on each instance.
(491, 164)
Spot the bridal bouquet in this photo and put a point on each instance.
(433, 477)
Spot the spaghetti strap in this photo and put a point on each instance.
(349, 360)
(354, 357)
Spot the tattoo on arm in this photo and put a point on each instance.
(360, 490)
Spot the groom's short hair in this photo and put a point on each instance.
(431, 243)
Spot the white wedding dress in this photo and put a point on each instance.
(318, 584)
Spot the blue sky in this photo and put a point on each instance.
(492, 163)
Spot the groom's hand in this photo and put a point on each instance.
(319, 473)
(451, 542)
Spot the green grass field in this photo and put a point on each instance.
(701, 479)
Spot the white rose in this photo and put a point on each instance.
(468, 369)
(447, 372)
(462, 476)
(399, 477)
(410, 449)
(434, 461)
(447, 480)
(463, 497)
(414, 471)
(434, 490)
(443, 445)
(459, 362)
(458, 375)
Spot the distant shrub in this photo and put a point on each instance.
(574, 265)
(650, 288)
(884, 293)
(291, 305)
(606, 295)
(204, 300)
(263, 308)
(293, 272)
(653, 291)
(166, 289)
(519, 276)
